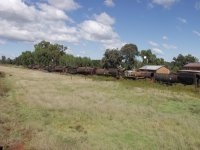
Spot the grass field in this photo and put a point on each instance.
(52, 111)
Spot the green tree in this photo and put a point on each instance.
(3, 59)
(25, 59)
(112, 58)
(181, 60)
(96, 63)
(129, 53)
(151, 58)
(48, 54)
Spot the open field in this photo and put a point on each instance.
(52, 111)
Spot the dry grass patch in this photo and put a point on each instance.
(53, 111)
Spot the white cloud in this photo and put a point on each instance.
(100, 30)
(168, 46)
(164, 3)
(41, 21)
(104, 18)
(19, 21)
(109, 3)
(93, 30)
(154, 44)
(67, 5)
(197, 5)
(51, 13)
(165, 37)
(183, 20)
(196, 33)
(157, 50)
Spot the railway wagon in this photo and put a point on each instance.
(147, 74)
(71, 70)
(187, 77)
(198, 79)
(166, 78)
(113, 72)
(35, 67)
(58, 69)
(55, 68)
(143, 74)
(29, 66)
(138, 74)
(101, 72)
(86, 70)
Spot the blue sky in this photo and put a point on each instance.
(89, 27)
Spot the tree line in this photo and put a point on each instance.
(46, 54)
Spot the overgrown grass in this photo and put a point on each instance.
(148, 84)
(53, 111)
(3, 88)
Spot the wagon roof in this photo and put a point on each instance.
(151, 67)
(192, 71)
(192, 65)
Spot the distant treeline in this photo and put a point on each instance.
(47, 54)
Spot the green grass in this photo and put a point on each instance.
(52, 111)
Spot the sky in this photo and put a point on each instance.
(89, 27)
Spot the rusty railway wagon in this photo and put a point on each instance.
(101, 72)
(86, 70)
(138, 74)
(36, 67)
(71, 70)
(55, 68)
(189, 77)
(183, 77)
(113, 72)
(59, 69)
(166, 78)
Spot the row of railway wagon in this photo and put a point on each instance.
(186, 77)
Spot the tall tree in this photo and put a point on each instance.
(112, 58)
(148, 57)
(3, 59)
(181, 60)
(48, 54)
(25, 59)
(129, 53)
(151, 58)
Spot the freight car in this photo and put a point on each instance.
(59, 69)
(86, 70)
(166, 78)
(35, 67)
(101, 72)
(113, 72)
(71, 70)
(188, 77)
(135, 74)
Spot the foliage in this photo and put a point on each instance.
(5, 60)
(181, 60)
(151, 58)
(129, 53)
(47, 53)
(25, 59)
(71, 61)
(112, 58)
